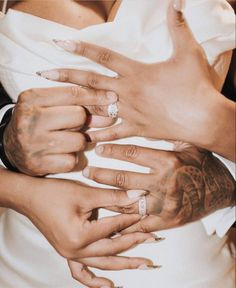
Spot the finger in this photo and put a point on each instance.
(105, 227)
(113, 133)
(117, 263)
(108, 197)
(62, 142)
(95, 121)
(149, 224)
(53, 164)
(66, 117)
(119, 178)
(106, 57)
(180, 32)
(78, 77)
(82, 274)
(131, 153)
(66, 96)
(113, 246)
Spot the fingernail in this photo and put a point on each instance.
(67, 45)
(99, 149)
(179, 5)
(112, 96)
(149, 267)
(85, 172)
(154, 239)
(50, 75)
(135, 193)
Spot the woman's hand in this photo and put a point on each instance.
(175, 99)
(183, 185)
(43, 135)
(66, 214)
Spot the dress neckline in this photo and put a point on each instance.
(39, 19)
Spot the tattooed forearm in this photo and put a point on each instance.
(206, 186)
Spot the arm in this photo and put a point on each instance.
(184, 185)
(190, 109)
(43, 134)
(73, 230)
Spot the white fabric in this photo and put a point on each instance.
(221, 221)
(189, 257)
(2, 113)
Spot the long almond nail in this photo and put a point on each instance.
(149, 267)
(67, 45)
(179, 5)
(154, 240)
(136, 193)
(50, 75)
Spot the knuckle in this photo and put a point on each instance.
(82, 114)
(27, 96)
(70, 163)
(81, 142)
(104, 57)
(131, 152)
(143, 227)
(76, 91)
(96, 110)
(92, 80)
(120, 179)
(64, 76)
(82, 49)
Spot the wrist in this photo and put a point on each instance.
(215, 130)
(16, 191)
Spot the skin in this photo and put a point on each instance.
(79, 268)
(66, 214)
(209, 123)
(44, 135)
(183, 185)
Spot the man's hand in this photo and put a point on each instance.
(66, 214)
(43, 135)
(183, 185)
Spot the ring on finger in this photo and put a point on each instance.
(142, 206)
(113, 110)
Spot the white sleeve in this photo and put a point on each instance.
(2, 113)
(221, 220)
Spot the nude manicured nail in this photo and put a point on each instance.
(149, 267)
(112, 96)
(136, 193)
(99, 149)
(179, 5)
(50, 75)
(155, 239)
(85, 172)
(67, 45)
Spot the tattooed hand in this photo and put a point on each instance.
(42, 136)
(184, 185)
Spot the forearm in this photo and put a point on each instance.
(217, 130)
(15, 190)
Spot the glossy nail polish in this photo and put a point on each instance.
(67, 45)
(85, 172)
(50, 75)
(179, 5)
(149, 267)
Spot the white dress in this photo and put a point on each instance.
(190, 258)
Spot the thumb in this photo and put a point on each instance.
(180, 32)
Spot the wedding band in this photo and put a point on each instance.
(113, 110)
(142, 206)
